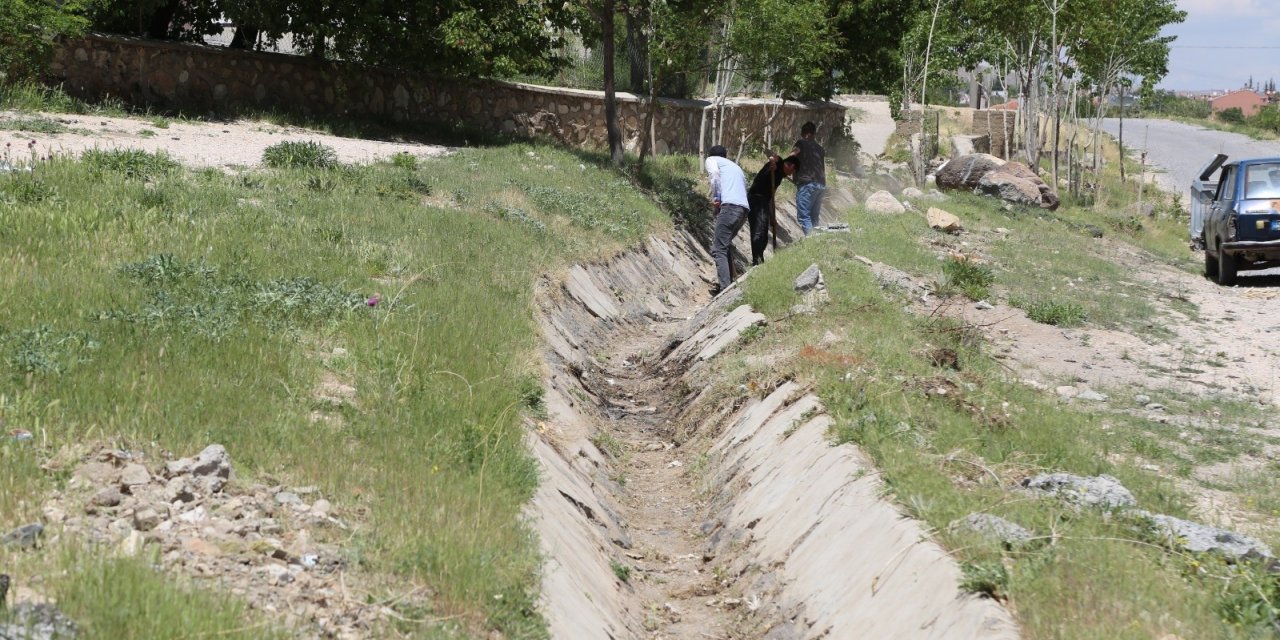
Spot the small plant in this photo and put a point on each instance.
(1061, 314)
(1233, 115)
(621, 570)
(972, 279)
(160, 123)
(306, 154)
(130, 162)
(405, 160)
(34, 125)
(44, 350)
(990, 579)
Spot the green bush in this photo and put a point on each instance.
(306, 154)
(27, 32)
(131, 162)
(1268, 118)
(971, 279)
(1062, 314)
(1231, 116)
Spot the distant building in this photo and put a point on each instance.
(1248, 101)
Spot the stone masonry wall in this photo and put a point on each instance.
(1001, 125)
(203, 78)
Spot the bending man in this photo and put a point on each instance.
(760, 195)
(729, 196)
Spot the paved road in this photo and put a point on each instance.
(1181, 149)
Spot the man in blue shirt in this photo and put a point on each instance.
(729, 196)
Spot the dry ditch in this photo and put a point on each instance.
(669, 509)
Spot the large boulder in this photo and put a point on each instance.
(1009, 188)
(884, 202)
(964, 172)
(1044, 196)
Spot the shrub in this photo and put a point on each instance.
(405, 160)
(1231, 116)
(970, 278)
(306, 154)
(27, 32)
(1061, 314)
(131, 162)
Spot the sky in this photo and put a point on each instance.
(1197, 63)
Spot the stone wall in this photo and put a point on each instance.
(1001, 125)
(213, 79)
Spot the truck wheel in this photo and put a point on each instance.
(1210, 266)
(1227, 268)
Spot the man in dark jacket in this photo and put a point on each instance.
(811, 180)
(761, 195)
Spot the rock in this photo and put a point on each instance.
(176, 468)
(131, 545)
(1003, 231)
(1067, 391)
(1098, 491)
(98, 473)
(983, 305)
(36, 621)
(133, 475)
(964, 172)
(1019, 170)
(1010, 188)
(200, 547)
(993, 528)
(962, 145)
(1154, 406)
(811, 278)
(108, 497)
(884, 202)
(1196, 537)
(178, 489)
(321, 507)
(146, 519)
(942, 220)
(214, 466)
(912, 192)
(1091, 395)
(1142, 399)
(287, 498)
(24, 537)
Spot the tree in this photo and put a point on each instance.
(871, 34)
(607, 17)
(27, 32)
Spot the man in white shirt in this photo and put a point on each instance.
(729, 195)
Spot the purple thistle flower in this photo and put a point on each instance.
(373, 300)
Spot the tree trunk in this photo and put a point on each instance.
(1121, 140)
(610, 99)
(637, 49)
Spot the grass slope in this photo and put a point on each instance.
(158, 308)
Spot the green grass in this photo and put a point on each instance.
(1087, 576)
(195, 306)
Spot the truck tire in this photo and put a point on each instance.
(1210, 266)
(1227, 268)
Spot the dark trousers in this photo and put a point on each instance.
(728, 221)
(758, 218)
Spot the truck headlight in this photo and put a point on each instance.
(1232, 231)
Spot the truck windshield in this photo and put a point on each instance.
(1262, 181)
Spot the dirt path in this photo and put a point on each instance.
(661, 505)
(238, 143)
